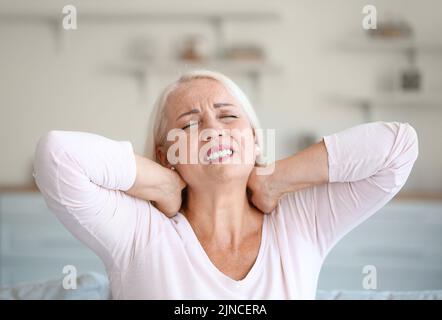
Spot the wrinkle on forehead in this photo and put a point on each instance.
(195, 92)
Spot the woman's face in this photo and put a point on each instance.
(216, 142)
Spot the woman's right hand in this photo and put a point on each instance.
(170, 200)
(157, 184)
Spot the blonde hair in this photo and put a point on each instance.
(157, 121)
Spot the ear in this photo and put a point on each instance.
(255, 135)
(161, 156)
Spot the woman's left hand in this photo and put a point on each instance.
(267, 189)
(264, 194)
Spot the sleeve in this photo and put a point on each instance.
(82, 177)
(368, 164)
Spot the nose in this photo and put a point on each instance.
(212, 128)
(212, 133)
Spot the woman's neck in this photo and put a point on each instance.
(222, 214)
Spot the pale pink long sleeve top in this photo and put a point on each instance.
(147, 255)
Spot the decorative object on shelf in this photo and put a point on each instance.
(392, 28)
(193, 48)
(244, 52)
(410, 77)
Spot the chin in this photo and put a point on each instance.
(228, 172)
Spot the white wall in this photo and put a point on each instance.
(42, 89)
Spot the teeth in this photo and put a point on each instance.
(220, 154)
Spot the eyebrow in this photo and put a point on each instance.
(215, 105)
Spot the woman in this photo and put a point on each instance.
(216, 229)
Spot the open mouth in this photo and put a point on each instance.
(219, 153)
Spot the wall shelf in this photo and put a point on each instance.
(140, 71)
(143, 17)
(216, 19)
(407, 46)
(373, 45)
(231, 66)
(390, 100)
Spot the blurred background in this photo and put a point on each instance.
(308, 66)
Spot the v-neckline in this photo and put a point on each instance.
(218, 273)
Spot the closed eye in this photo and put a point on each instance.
(230, 116)
(190, 124)
(196, 122)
